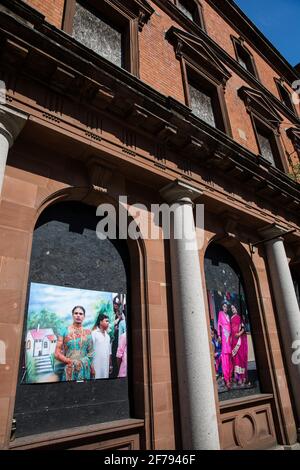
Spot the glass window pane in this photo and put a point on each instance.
(266, 148)
(201, 104)
(187, 11)
(285, 96)
(243, 63)
(97, 35)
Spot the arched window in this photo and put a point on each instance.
(230, 322)
(71, 267)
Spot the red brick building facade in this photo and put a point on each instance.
(183, 101)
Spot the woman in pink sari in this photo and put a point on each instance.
(239, 347)
(224, 334)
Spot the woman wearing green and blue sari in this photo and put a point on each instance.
(75, 349)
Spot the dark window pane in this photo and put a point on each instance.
(286, 98)
(243, 63)
(266, 148)
(244, 59)
(186, 10)
(98, 35)
(201, 104)
(297, 289)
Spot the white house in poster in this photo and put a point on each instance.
(40, 342)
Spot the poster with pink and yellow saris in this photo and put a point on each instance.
(232, 345)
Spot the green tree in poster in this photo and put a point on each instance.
(45, 319)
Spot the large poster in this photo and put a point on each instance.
(74, 335)
(234, 359)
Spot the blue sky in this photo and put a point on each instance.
(61, 300)
(279, 20)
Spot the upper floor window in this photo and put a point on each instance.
(244, 56)
(265, 142)
(285, 95)
(204, 78)
(294, 134)
(192, 10)
(108, 28)
(202, 101)
(206, 99)
(99, 34)
(266, 124)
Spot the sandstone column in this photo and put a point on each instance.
(11, 123)
(287, 308)
(196, 388)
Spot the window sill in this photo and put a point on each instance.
(238, 402)
(82, 432)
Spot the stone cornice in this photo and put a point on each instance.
(140, 8)
(294, 134)
(54, 59)
(20, 10)
(258, 103)
(199, 52)
(273, 231)
(178, 191)
(11, 122)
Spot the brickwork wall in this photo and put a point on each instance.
(158, 64)
(160, 69)
(52, 9)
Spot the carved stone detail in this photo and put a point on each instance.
(99, 173)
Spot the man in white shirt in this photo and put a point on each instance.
(102, 348)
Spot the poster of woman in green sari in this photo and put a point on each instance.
(75, 349)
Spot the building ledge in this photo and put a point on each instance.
(77, 433)
(238, 402)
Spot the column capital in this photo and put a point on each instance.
(11, 123)
(272, 231)
(178, 191)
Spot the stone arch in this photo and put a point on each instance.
(141, 405)
(259, 320)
